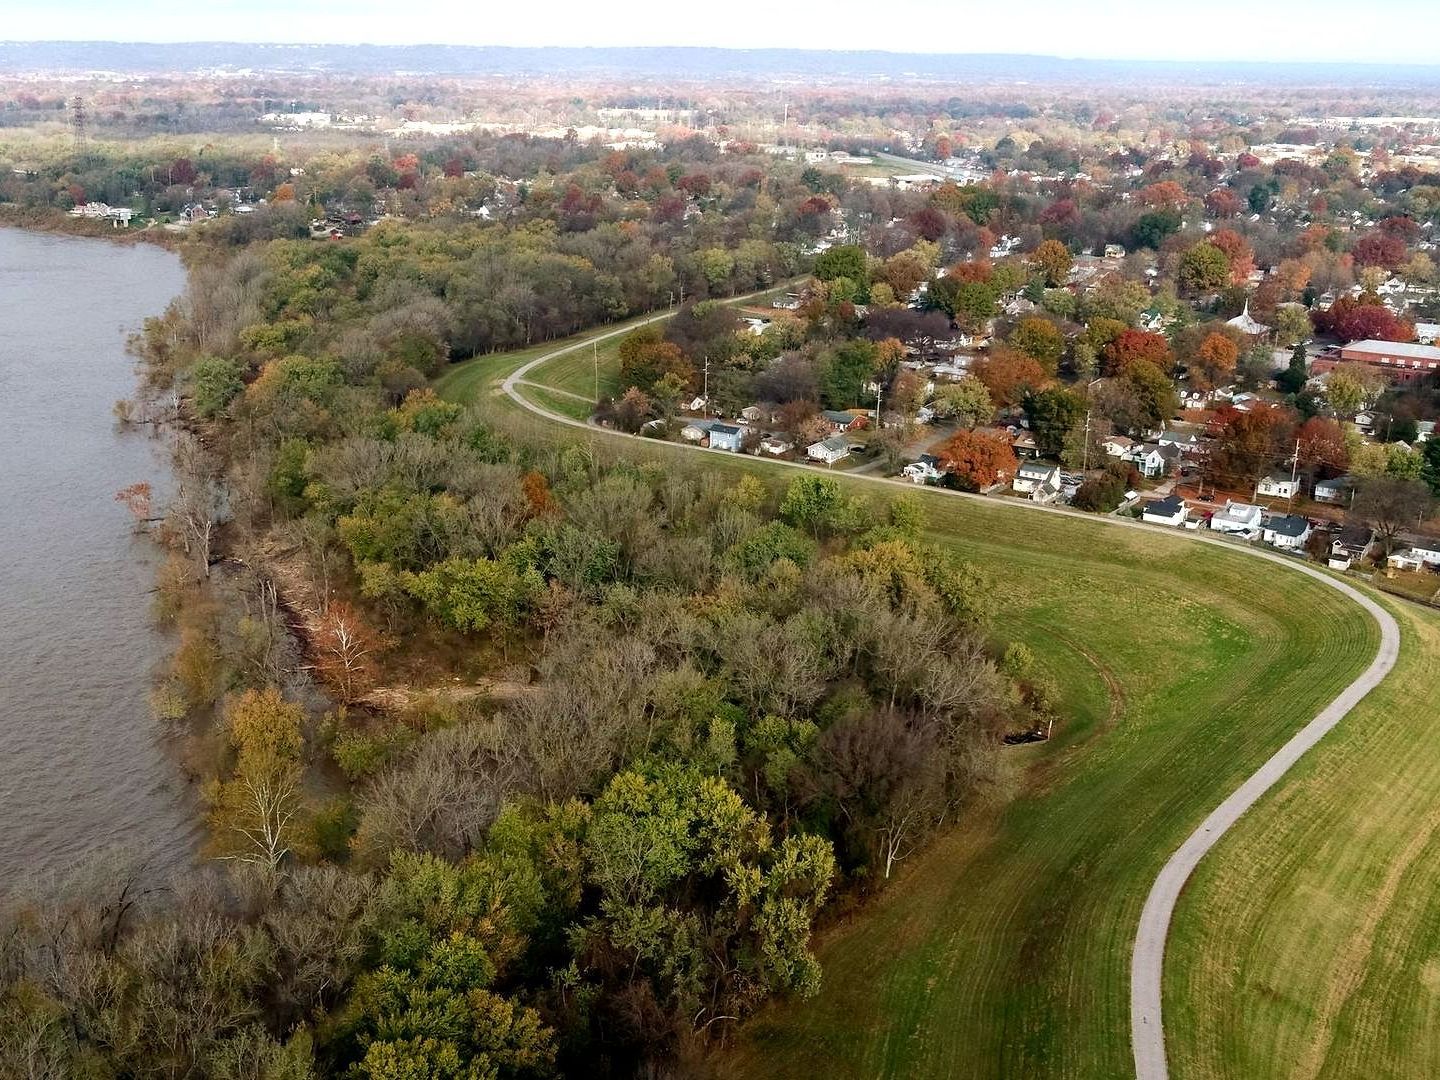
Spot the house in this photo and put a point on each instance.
(1349, 546)
(925, 470)
(726, 437)
(696, 430)
(1286, 531)
(1242, 518)
(754, 414)
(1040, 482)
(1023, 443)
(1170, 510)
(831, 450)
(1185, 440)
(1417, 554)
(1337, 490)
(1118, 446)
(1153, 459)
(1278, 486)
(844, 421)
(776, 445)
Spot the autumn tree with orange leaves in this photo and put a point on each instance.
(1214, 361)
(1008, 374)
(1132, 346)
(978, 459)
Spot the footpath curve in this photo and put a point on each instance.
(1148, 954)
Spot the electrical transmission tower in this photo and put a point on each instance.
(79, 118)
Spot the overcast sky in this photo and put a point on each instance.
(1382, 30)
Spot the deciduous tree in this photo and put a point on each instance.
(978, 459)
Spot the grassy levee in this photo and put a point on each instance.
(1003, 949)
(1308, 945)
(575, 371)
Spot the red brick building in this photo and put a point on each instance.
(1400, 362)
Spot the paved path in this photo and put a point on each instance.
(1147, 961)
(1148, 957)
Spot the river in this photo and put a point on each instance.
(85, 771)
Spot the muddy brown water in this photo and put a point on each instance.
(85, 770)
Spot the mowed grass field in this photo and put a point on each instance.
(1308, 945)
(1003, 949)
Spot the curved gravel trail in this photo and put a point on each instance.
(1148, 955)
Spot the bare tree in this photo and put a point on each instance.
(200, 504)
(345, 648)
(1389, 505)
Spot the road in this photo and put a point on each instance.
(1148, 954)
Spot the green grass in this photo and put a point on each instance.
(563, 404)
(572, 372)
(1003, 950)
(575, 371)
(1308, 944)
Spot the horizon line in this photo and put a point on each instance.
(741, 50)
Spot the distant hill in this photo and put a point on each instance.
(664, 63)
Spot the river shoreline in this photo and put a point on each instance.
(49, 221)
(88, 773)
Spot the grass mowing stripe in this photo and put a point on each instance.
(1004, 951)
(1310, 945)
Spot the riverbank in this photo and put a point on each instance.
(50, 220)
(86, 769)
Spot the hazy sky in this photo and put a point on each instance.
(1382, 30)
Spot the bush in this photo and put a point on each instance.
(1100, 494)
(331, 829)
(361, 753)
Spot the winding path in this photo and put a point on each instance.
(1148, 955)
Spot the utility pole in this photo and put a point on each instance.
(595, 351)
(705, 394)
(1294, 472)
(1085, 463)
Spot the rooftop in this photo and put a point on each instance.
(1393, 348)
(1288, 525)
(1168, 506)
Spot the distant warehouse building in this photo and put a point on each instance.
(1399, 361)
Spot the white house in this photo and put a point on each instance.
(696, 430)
(1334, 491)
(1418, 553)
(1185, 440)
(775, 445)
(1278, 486)
(836, 448)
(1118, 446)
(1286, 531)
(1152, 459)
(1170, 510)
(1040, 482)
(1352, 544)
(926, 469)
(726, 437)
(1242, 518)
